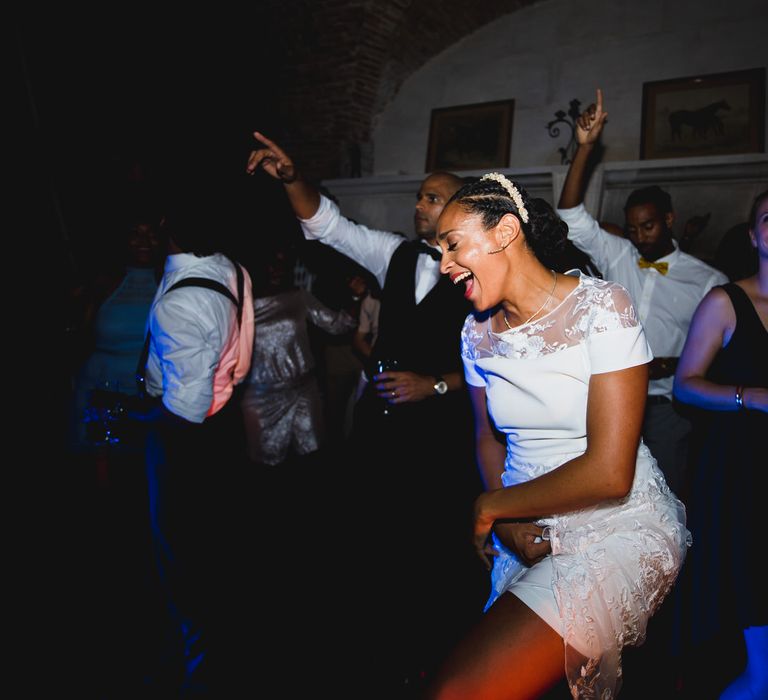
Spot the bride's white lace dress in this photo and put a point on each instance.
(612, 564)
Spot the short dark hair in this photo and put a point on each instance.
(452, 178)
(652, 194)
(194, 218)
(545, 232)
(189, 232)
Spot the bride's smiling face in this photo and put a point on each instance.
(467, 254)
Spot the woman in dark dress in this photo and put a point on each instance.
(723, 370)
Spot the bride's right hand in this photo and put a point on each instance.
(524, 539)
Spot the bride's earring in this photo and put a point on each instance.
(498, 250)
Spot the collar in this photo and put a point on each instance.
(669, 258)
(178, 261)
(432, 250)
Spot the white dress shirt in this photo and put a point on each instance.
(368, 247)
(196, 344)
(664, 303)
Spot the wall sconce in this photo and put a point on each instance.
(566, 152)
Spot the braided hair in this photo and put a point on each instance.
(493, 196)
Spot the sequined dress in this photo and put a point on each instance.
(611, 564)
(281, 404)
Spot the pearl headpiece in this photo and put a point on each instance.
(512, 191)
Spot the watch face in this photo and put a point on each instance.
(441, 387)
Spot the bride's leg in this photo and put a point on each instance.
(511, 654)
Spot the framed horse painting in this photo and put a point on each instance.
(704, 115)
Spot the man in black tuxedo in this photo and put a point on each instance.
(411, 461)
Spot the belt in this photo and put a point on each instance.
(656, 399)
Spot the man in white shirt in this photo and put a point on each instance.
(321, 220)
(665, 284)
(412, 484)
(199, 345)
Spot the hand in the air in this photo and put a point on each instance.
(272, 159)
(590, 122)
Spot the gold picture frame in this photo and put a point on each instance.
(704, 115)
(470, 137)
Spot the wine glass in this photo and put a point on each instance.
(384, 365)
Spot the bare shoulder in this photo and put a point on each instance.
(567, 283)
(716, 307)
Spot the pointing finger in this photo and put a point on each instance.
(270, 144)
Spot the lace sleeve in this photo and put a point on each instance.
(470, 338)
(615, 337)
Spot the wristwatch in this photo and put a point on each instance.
(440, 386)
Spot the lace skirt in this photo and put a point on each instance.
(612, 566)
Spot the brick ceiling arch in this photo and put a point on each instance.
(343, 61)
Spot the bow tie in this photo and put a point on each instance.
(662, 267)
(429, 250)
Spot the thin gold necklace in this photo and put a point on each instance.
(538, 311)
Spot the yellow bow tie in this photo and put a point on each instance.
(662, 267)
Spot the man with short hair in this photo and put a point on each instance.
(411, 448)
(665, 284)
(198, 349)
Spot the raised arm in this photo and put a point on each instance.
(273, 160)
(588, 127)
(330, 320)
(320, 219)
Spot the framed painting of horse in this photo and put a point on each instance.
(704, 115)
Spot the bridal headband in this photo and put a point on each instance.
(513, 192)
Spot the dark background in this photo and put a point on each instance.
(99, 102)
(170, 100)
